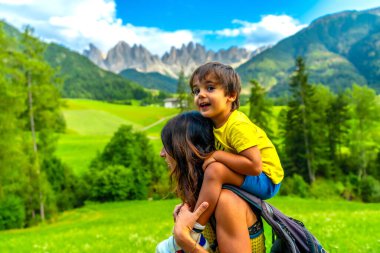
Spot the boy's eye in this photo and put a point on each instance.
(210, 88)
(195, 91)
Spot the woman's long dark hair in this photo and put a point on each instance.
(189, 139)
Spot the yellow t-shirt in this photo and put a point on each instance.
(239, 133)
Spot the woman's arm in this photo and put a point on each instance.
(185, 220)
(233, 217)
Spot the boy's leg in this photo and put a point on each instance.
(215, 176)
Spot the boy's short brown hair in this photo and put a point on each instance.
(225, 75)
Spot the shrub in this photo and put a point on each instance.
(133, 152)
(114, 183)
(326, 189)
(12, 213)
(351, 183)
(294, 185)
(69, 192)
(370, 189)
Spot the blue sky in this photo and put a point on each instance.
(160, 24)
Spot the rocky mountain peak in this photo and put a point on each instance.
(95, 55)
(187, 58)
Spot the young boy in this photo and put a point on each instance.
(250, 159)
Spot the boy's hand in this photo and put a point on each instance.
(207, 162)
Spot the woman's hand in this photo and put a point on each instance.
(176, 210)
(185, 221)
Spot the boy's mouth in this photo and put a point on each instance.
(204, 104)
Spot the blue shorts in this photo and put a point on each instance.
(261, 186)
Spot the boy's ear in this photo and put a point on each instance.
(232, 97)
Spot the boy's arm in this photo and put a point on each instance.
(247, 162)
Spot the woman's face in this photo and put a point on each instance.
(168, 159)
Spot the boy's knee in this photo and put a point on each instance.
(214, 172)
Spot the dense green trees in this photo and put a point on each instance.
(299, 137)
(29, 120)
(260, 107)
(328, 140)
(83, 79)
(34, 183)
(12, 158)
(337, 123)
(366, 110)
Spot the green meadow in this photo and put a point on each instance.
(137, 226)
(90, 125)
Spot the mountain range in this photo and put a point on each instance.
(123, 56)
(339, 49)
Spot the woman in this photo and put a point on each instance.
(188, 139)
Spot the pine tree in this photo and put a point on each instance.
(366, 113)
(183, 92)
(337, 121)
(11, 106)
(319, 104)
(42, 117)
(260, 107)
(298, 123)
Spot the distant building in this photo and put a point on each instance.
(173, 103)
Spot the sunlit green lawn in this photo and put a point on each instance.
(90, 125)
(137, 226)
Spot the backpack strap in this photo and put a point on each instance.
(270, 211)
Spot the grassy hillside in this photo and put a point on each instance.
(83, 79)
(91, 124)
(339, 50)
(137, 226)
(152, 80)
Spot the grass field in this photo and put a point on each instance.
(137, 226)
(91, 124)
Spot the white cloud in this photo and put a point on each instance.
(75, 24)
(15, 2)
(269, 30)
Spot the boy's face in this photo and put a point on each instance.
(211, 100)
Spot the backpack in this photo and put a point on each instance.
(288, 235)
